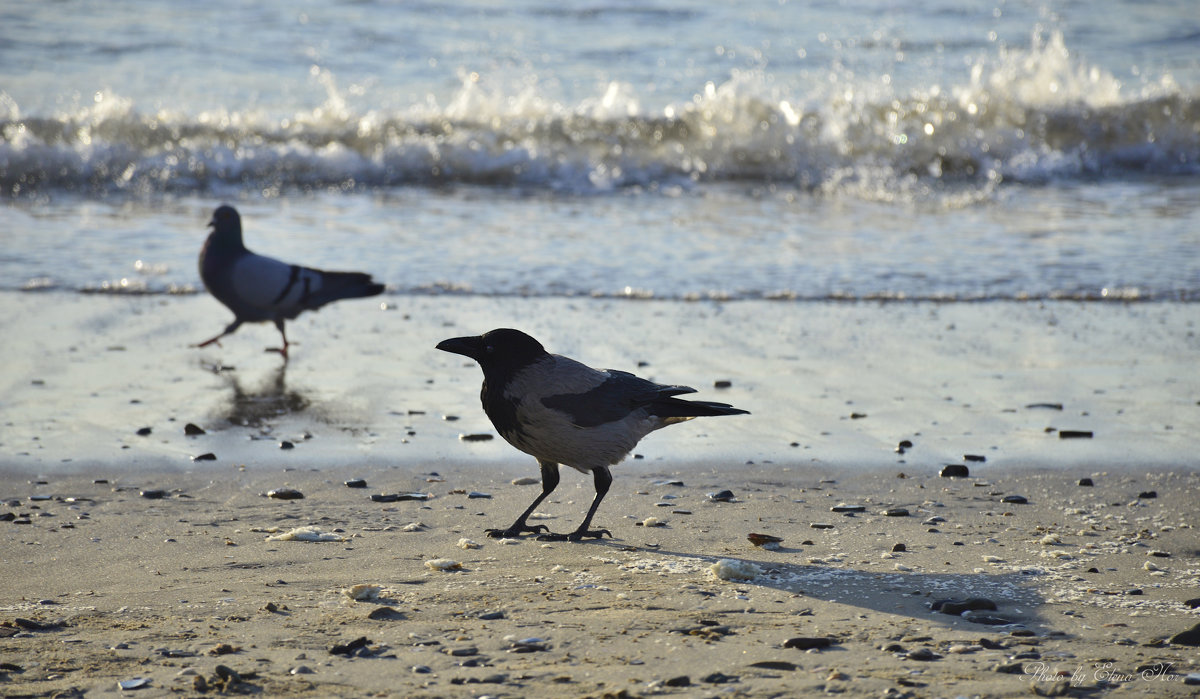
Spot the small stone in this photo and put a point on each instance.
(1046, 406)
(1086, 482)
(923, 654)
(351, 648)
(1015, 499)
(857, 416)
(895, 512)
(356, 483)
(385, 614)
(154, 494)
(721, 496)
(1010, 668)
(821, 525)
(763, 539)
(987, 619)
(1190, 637)
(1148, 495)
(1074, 434)
(474, 495)
(398, 497)
(479, 437)
(207, 456)
(421, 669)
(975, 458)
(193, 430)
(843, 507)
(1192, 603)
(144, 432)
(718, 678)
(285, 494)
(808, 642)
(680, 681)
(286, 445)
(722, 383)
(301, 670)
(461, 652)
(899, 548)
(955, 471)
(775, 665)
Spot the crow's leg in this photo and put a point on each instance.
(549, 483)
(214, 340)
(603, 480)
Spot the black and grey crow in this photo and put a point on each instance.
(562, 412)
(258, 288)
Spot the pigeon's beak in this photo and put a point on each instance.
(472, 347)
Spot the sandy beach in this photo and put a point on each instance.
(127, 560)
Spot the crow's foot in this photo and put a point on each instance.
(517, 530)
(577, 535)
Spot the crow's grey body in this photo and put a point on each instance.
(563, 412)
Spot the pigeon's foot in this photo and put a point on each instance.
(281, 350)
(517, 530)
(577, 535)
(206, 343)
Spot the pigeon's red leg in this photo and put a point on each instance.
(280, 350)
(214, 340)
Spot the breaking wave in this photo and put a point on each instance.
(1034, 115)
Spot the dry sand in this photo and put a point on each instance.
(103, 585)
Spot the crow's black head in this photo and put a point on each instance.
(501, 351)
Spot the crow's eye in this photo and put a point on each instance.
(489, 349)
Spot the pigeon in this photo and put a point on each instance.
(258, 288)
(560, 411)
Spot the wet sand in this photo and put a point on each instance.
(1090, 584)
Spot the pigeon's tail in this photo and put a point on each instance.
(676, 409)
(344, 285)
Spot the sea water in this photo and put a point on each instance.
(865, 149)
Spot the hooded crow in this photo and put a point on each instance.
(562, 412)
(258, 288)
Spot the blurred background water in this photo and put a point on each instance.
(958, 151)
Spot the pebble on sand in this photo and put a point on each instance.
(809, 642)
(363, 592)
(732, 569)
(285, 494)
(764, 539)
(309, 533)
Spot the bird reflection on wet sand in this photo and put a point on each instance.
(270, 400)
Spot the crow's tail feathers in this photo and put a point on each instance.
(678, 409)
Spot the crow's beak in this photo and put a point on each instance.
(472, 347)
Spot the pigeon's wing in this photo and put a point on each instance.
(613, 398)
(267, 284)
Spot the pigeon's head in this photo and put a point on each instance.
(501, 350)
(226, 222)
